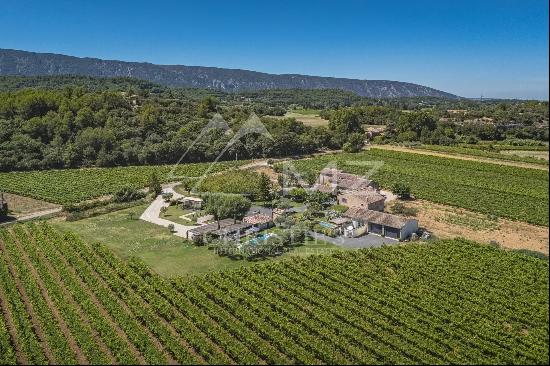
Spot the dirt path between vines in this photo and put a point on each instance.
(85, 287)
(73, 345)
(8, 319)
(68, 295)
(461, 157)
(30, 310)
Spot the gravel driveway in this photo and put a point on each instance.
(152, 213)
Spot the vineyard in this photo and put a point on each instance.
(505, 191)
(76, 185)
(64, 301)
(492, 154)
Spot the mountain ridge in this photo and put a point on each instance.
(25, 63)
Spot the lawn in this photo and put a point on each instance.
(174, 213)
(166, 254)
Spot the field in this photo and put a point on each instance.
(76, 185)
(505, 191)
(166, 254)
(502, 153)
(310, 117)
(448, 222)
(20, 205)
(527, 154)
(64, 301)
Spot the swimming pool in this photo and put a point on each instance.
(261, 238)
(327, 225)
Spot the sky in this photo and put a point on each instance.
(470, 48)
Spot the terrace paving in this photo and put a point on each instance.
(365, 241)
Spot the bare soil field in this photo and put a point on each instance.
(449, 222)
(21, 206)
(461, 157)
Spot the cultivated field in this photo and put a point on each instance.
(64, 301)
(505, 191)
(76, 185)
(526, 156)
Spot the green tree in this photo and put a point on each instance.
(154, 184)
(298, 194)
(207, 105)
(128, 194)
(264, 187)
(401, 189)
(354, 143)
(223, 206)
(3, 207)
(344, 122)
(416, 122)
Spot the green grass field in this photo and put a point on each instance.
(310, 117)
(447, 302)
(166, 254)
(504, 191)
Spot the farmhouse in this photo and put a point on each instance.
(260, 221)
(340, 181)
(198, 233)
(234, 230)
(381, 223)
(368, 198)
(351, 190)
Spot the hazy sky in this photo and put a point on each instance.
(495, 48)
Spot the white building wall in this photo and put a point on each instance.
(410, 227)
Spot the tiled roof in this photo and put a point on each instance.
(376, 217)
(257, 219)
(325, 188)
(232, 228)
(204, 229)
(340, 220)
(368, 195)
(346, 180)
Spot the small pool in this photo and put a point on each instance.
(327, 225)
(261, 238)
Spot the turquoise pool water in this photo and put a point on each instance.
(261, 238)
(328, 225)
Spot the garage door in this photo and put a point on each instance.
(392, 232)
(376, 229)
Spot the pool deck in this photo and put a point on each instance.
(365, 241)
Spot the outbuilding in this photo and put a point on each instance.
(191, 202)
(382, 223)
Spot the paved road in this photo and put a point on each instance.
(152, 213)
(365, 241)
